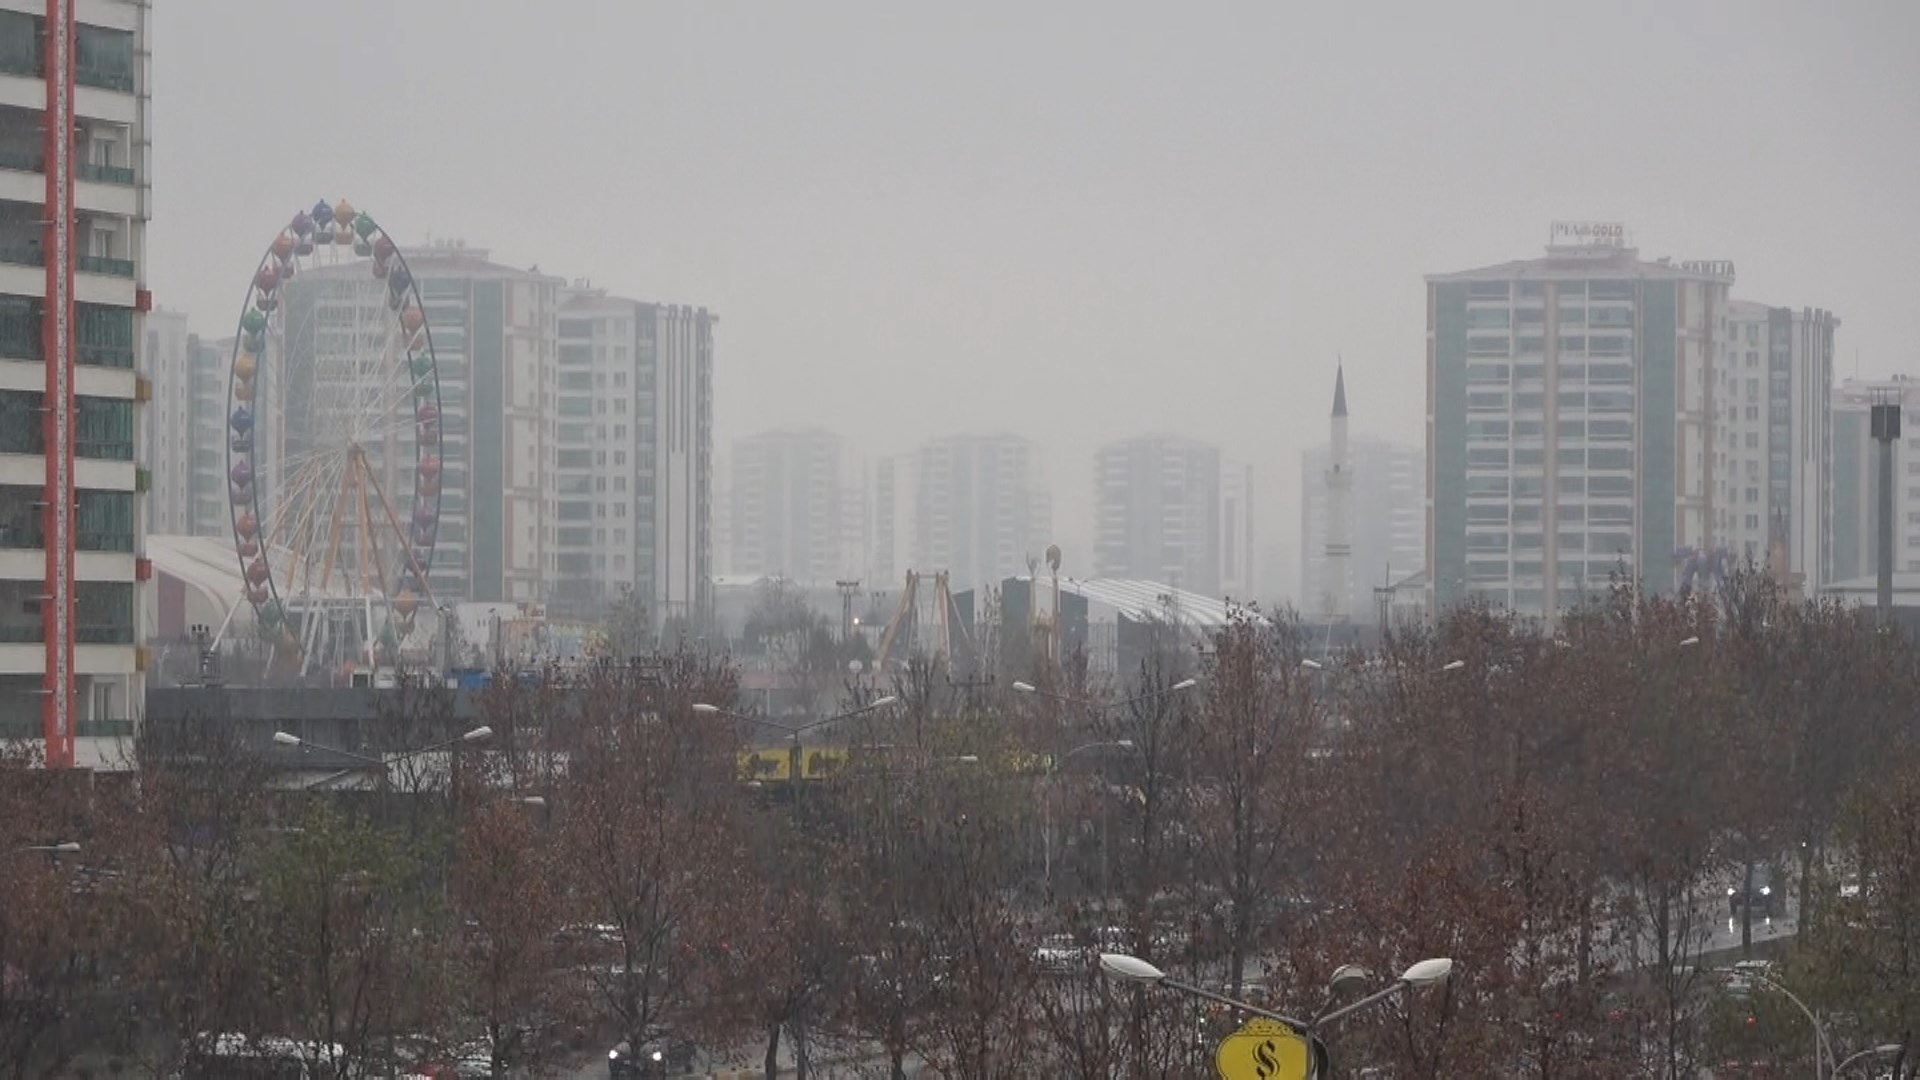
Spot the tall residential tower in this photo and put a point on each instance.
(74, 142)
(1590, 412)
(1157, 512)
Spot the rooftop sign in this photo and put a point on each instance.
(1717, 269)
(1587, 234)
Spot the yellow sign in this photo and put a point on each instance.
(1264, 1050)
(766, 765)
(820, 762)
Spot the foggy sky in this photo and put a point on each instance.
(1076, 221)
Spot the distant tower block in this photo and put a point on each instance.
(1339, 550)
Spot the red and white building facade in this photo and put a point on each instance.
(74, 196)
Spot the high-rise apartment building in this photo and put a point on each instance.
(495, 347)
(209, 364)
(1388, 499)
(980, 508)
(797, 507)
(74, 143)
(1238, 578)
(168, 451)
(1773, 485)
(1578, 423)
(891, 517)
(1855, 528)
(1157, 512)
(631, 460)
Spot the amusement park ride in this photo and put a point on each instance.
(333, 446)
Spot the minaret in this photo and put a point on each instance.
(1339, 552)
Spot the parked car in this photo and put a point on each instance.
(1759, 893)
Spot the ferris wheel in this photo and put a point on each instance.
(333, 443)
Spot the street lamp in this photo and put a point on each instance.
(1046, 798)
(68, 847)
(1313, 665)
(1822, 1048)
(1346, 978)
(478, 734)
(794, 731)
(1179, 687)
(1453, 665)
(1689, 642)
(1883, 1050)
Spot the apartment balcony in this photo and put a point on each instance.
(105, 68)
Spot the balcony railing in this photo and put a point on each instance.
(22, 256)
(104, 729)
(106, 174)
(104, 78)
(105, 541)
(102, 635)
(22, 160)
(100, 264)
(20, 45)
(22, 634)
(103, 449)
(109, 356)
(19, 337)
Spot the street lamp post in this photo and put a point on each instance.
(69, 847)
(1066, 699)
(1425, 973)
(1046, 797)
(794, 731)
(1822, 1048)
(479, 734)
(1089, 706)
(1883, 1050)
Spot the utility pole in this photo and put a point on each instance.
(1885, 427)
(848, 590)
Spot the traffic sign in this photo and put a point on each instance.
(1264, 1050)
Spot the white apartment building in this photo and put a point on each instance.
(1388, 497)
(980, 509)
(74, 121)
(1157, 512)
(1590, 412)
(169, 431)
(798, 507)
(1773, 482)
(1238, 579)
(209, 364)
(630, 502)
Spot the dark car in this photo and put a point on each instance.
(1761, 894)
(659, 1057)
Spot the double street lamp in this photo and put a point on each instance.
(1345, 980)
(1046, 797)
(1179, 687)
(794, 731)
(1053, 767)
(479, 734)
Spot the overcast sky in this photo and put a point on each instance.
(1072, 220)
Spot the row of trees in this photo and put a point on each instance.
(1560, 814)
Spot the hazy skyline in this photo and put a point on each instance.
(1074, 221)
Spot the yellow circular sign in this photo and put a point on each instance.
(1264, 1050)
